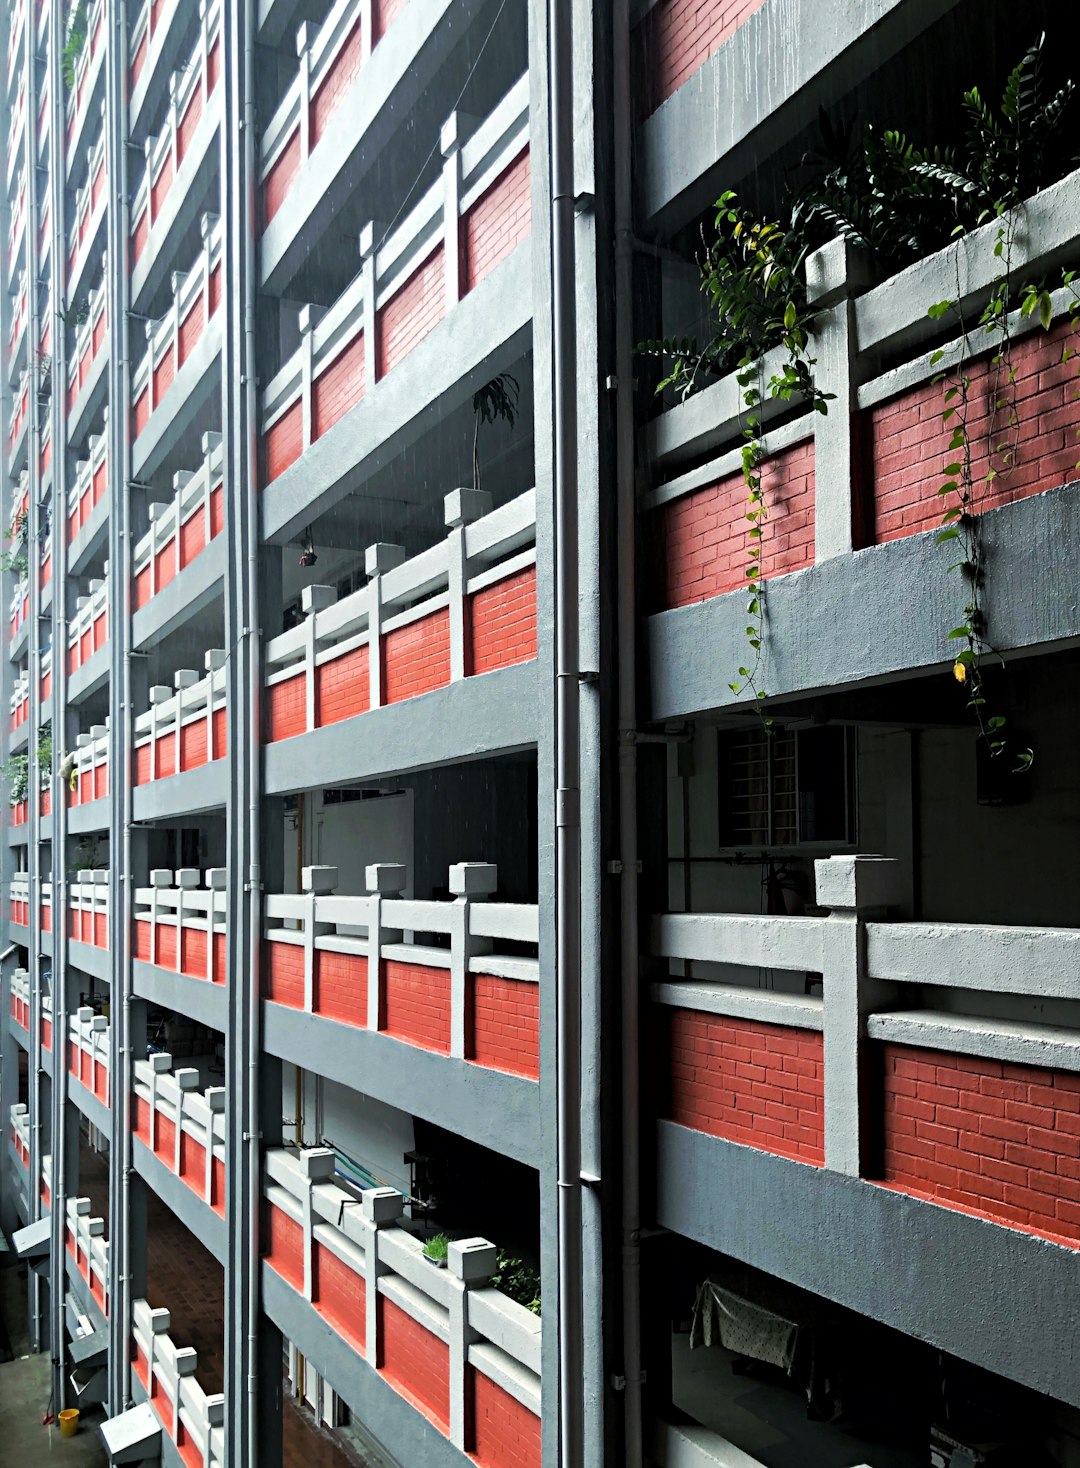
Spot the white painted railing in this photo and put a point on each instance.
(88, 908)
(88, 1051)
(45, 562)
(91, 765)
(45, 679)
(164, 336)
(19, 1115)
(89, 338)
(151, 16)
(18, 607)
(469, 169)
(16, 223)
(191, 85)
(15, 38)
(188, 1414)
(18, 314)
(483, 1330)
(484, 547)
(89, 1248)
(19, 414)
(84, 62)
(180, 925)
(20, 989)
(18, 120)
(182, 1125)
(90, 202)
(200, 493)
(194, 712)
(90, 480)
(20, 699)
(89, 627)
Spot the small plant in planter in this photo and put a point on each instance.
(436, 1249)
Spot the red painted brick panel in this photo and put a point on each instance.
(416, 1004)
(165, 1141)
(101, 781)
(283, 442)
(166, 756)
(165, 563)
(188, 124)
(411, 313)
(498, 222)
(415, 1362)
(142, 588)
(188, 1448)
(342, 687)
(213, 66)
(758, 1084)
(164, 375)
(193, 952)
(138, 61)
(220, 737)
(192, 537)
(338, 388)
(101, 931)
(499, 1431)
(416, 658)
(676, 37)
(217, 511)
(909, 443)
(698, 544)
(166, 946)
(280, 178)
(285, 1246)
(142, 941)
(287, 702)
(997, 1140)
(193, 745)
(218, 955)
(501, 623)
(191, 329)
(340, 987)
(343, 71)
(213, 290)
(503, 1024)
(283, 968)
(193, 1164)
(339, 1294)
(140, 235)
(217, 1185)
(98, 485)
(142, 764)
(160, 186)
(387, 11)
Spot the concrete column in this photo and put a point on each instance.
(381, 1209)
(313, 600)
(304, 38)
(317, 881)
(378, 559)
(470, 1263)
(385, 879)
(460, 508)
(470, 881)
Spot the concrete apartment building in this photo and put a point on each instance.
(387, 855)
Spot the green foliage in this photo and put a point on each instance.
(437, 1247)
(16, 771)
(497, 399)
(76, 40)
(45, 754)
(518, 1280)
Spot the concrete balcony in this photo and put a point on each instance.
(16, 129)
(155, 48)
(20, 979)
(163, 1374)
(88, 1253)
(16, 228)
(179, 942)
(85, 243)
(19, 423)
(179, 562)
(89, 786)
(43, 120)
(89, 84)
(17, 333)
(88, 923)
(88, 632)
(19, 1156)
(15, 44)
(180, 743)
(181, 160)
(446, 1032)
(88, 501)
(179, 1130)
(408, 1345)
(86, 384)
(88, 1065)
(911, 1102)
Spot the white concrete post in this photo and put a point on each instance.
(303, 82)
(381, 1208)
(383, 880)
(317, 1164)
(215, 880)
(460, 508)
(313, 600)
(378, 559)
(316, 882)
(450, 146)
(370, 236)
(186, 1080)
(309, 318)
(854, 888)
(470, 1263)
(469, 881)
(214, 661)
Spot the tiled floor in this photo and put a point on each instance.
(308, 1446)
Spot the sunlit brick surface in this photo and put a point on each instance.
(498, 221)
(500, 1432)
(416, 1362)
(411, 313)
(416, 1004)
(502, 622)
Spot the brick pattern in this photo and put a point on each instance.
(343, 686)
(282, 443)
(503, 1024)
(416, 658)
(285, 1246)
(338, 387)
(758, 1084)
(497, 223)
(161, 186)
(499, 1431)
(165, 563)
(414, 310)
(339, 1294)
(185, 133)
(386, 14)
(697, 545)
(280, 178)
(340, 989)
(343, 71)
(287, 704)
(416, 1004)
(997, 1140)
(191, 329)
(193, 952)
(283, 974)
(164, 375)
(909, 443)
(501, 623)
(138, 61)
(415, 1362)
(676, 38)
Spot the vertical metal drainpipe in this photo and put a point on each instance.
(626, 571)
(567, 754)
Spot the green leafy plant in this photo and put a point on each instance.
(44, 755)
(496, 400)
(15, 770)
(437, 1247)
(75, 42)
(518, 1280)
(87, 856)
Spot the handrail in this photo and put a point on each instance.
(88, 629)
(180, 925)
(174, 714)
(178, 1121)
(91, 773)
(88, 908)
(89, 1248)
(88, 1051)
(90, 480)
(167, 1373)
(195, 494)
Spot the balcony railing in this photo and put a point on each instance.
(180, 926)
(192, 1418)
(18, 315)
(442, 1338)
(15, 39)
(181, 529)
(15, 127)
(88, 1247)
(45, 678)
(16, 223)
(19, 510)
(812, 1078)
(183, 1126)
(20, 698)
(44, 112)
(91, 766)
(89, 630)
(90, 202)
(185, 728)
(88, 1051)
(45, 563)
(18, 608)
(89, 339)
(90, 482)
(78, 96)
(343, 957)
(173, 338)
(20, 984)
(19, 1115)
(466, 223)
(190, 92)
(19, 414)
(147, 23)
(465, 606)
(88, 908)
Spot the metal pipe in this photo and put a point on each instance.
(567, 753)
(626, 601)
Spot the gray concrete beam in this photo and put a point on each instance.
(183, 794)
(94, 961)
(91, 675)
(192, 388)
(95, 1110)
(93, 816)
(201, 1001)
(196, 1215)
(197, 585)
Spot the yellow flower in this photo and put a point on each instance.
(959, 672)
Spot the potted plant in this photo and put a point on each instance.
(435, 1250)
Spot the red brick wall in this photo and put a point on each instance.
(287, 704)
(190, 329)
(213, 66)
(498, 221)
(160, 186)
(217, 1185)
(415, 1362)
(279, 179)
(340, 987)
(193, 952)
(164, 375)
(165, 1141)
(697, 545)
(343, 71)
(416, 1004)
(338, 388)
(192, 537)
(342, 687)
(909, 443)
(676, 37)
(499, 1431)
(999, 1140)
(501, 623)
(193, 1164)
(166, 946)
(339, 1294)
(416, 658)
(285, 1246)
(188, 123)
(193, 745)
(503, 1024)
(415, 310)
(385, 13)
(165, 564)
(283, 443)
(284, 974)
(140, 235)
(758, 1084)
(140, 413)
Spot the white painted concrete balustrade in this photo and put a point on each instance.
(91, 779)
(193, 1418)
(88, 1247)
(20, 998)
(88, 908)
(88, 212)
(180, 925)
(88, 1051)
(90, 337)
(91, 481)
(182, 1125)
(185, 726)
(89, 627)
(183, 527)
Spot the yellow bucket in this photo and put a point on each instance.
(69, 1422)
